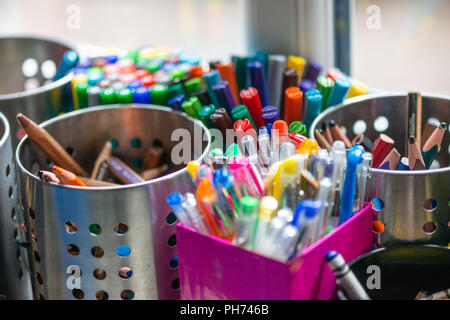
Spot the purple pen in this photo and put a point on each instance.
(306, 85)
(224, 96)
(312, 71)
(257, 80)
(270, 114)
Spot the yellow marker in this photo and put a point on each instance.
(79, 78)
(147, 53)
(296, 63)
(309, 146)
(192, 168)
(357, 89)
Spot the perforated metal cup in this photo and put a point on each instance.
(415, 205)
(27, 65)
(14, 270)
(121, 238)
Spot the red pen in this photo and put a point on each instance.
(381, 149)
(250, 98)
(296, 138)
(293, 105)
(334, 74)
(243, 128)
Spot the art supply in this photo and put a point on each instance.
(240, 69)
(290, 79)
(276, 67)
(327, 133)
(313, 70)
(345, 278)
(403, 164)
(202, 95)
(433, 144)
(362, 174)
(413, 114)
(211, 78)
(205, 112)
(414, 156)
(123, 172)
(297, 139)
(48, 176)
(339, 92)
(337, 134)
(364, 141)
(298, 127)
(313, 106)
(69, 61)
(270, 114)
(97, 183)
(101, 167)
(267, 210)
(250, 98)
(323, 143)
(226, 72)
(245, 234)
(381, 149)
(49, 146)
(154, 173)
(325, 86)
(293, 105)
(257, 80)
(298, 64)
(391, 161)
(67, 177)
(306, 85)
(224, 96)
(241, 112)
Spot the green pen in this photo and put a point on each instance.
(240, 68)
(175, 90)
(246, 230)
(233, 151)
(124, 95)
(159, 94)
(192, 107)
(193, 85)
(132, 54)
(299, 127)
(153, 66)
(325, 86)
(241, 112)
(81, 90)
(204, 114)
(177, 73)
(107, 96)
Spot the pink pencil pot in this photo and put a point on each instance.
(212, 268)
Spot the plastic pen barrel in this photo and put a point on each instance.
(142, 95)
(93, 94)
(325, 86)
(257, 80)
(175, 90)
(159, 94)
(241, 112)
(81, 92)
(313, 70)
(69, 61)
(193, 85)
(297, 64)
(107, 96)
(250, 98)
(313, 105)
(202, 95)
(293, 105)
(211, 79)
(225, 98)
(290, 79)
(205, 113)
(240, 68)
(226, 72)
(306, 85)
(176, 102)
(276, 67)
(340, 89)
(124, 95)
(270, 114)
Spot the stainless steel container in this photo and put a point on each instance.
(416, 203)
(14, 270)
(26, 85)
(63, 222)
(403, 271)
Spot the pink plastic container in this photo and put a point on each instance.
(212, 268)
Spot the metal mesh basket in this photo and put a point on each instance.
(14, 271)
(26, 71)
(103, 221)
(416, 203)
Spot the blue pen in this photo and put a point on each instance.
(313, 105)
(142, 95)
(348, 194)
(69, 61)
(269, 128)
(322, 165)
(339, 92)
(174, 200)
(134, 84)
(212, 78)
(403, 164)
(257, 80)
(176, 102)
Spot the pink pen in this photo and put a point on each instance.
(203, 171)
(244, 173)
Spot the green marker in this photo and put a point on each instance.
(240, 68)
(204, 114)
(299, 127)
(193, 85)
(192, 107)
(175, 90)
(325, 86)
(177, 73)
(241, 112)
(216, 152)
(159, 94)
(81, 90)
(133, 55)
(153, 66)
(124, 95)
(233, 151)
(107, 96)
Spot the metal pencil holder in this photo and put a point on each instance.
(14, 271)
(415, 205)
(27, 65)
(119, 242)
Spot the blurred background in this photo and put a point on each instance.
(391, 45)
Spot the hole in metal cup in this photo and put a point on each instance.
(8, 170)
(73, 249)
(377, 204)
(175, 285)
(99, 274)
(127, 294)
(125, 272)
(171, 218)
(429, 227)
(71, 227)
(430, 205)
(78, 294)
(97, 252)
(123, 251)
(121, 228)
(359, 127)
(172, 241)
(173, 263)
(102, 295)
(95, 229)
(381, 124)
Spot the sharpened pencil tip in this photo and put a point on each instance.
(23, 121)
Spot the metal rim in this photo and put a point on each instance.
(5, 123)
(114, 106)
(385, 94)
(46, 87)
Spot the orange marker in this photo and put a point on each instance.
(226, 72)
(293, 105)
(67, 177)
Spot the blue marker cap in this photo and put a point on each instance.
(174, 199)
(313, 106)
(312, 92)
(134, 84)
(176, 102)
(69, 61)
(212, 78)
(269, 128)
(167, 66)
(111, 58)
(142, 95)
(257, 80)
(331, 255)
(306, 85)
(355, 154)
(186, 57)
(223, 177)
(339, 92)
(307, 208)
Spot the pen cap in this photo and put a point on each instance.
(267, 207)
(325, 86)
(308, 209)
(293, 105)
(297, 64)
(281, 128)
(250, 98)
(193, 85)
(313, 106)
(340, 89)
(309, 146)
(257, 79)
(313, 70)
(216, 152)
(290, 79)
(233, 151)
(174, 200)
(192, 168)
(296, 139)
(355, 155)
(241, 112)
(270, 114)
(249, 144)
(299, 127)
(307, 84)
(249, 205)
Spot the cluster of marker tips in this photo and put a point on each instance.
(146, 75)
(304, 196)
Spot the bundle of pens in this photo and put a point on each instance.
(306, 193)
(148, 75)
(385, 155)
(108, 170)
